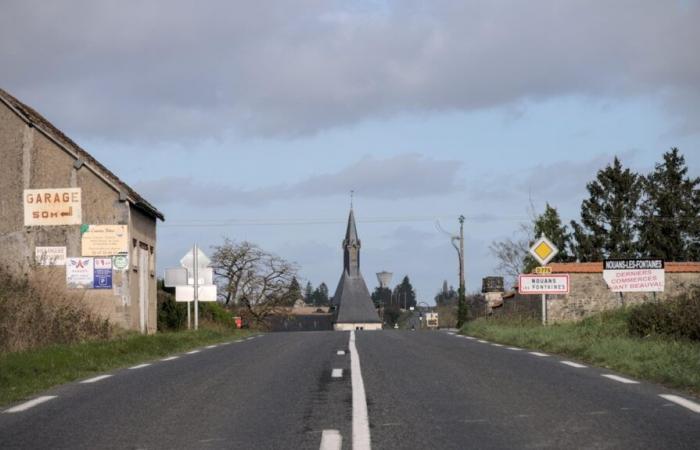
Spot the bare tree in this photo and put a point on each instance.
(511, 253)
(252, 278)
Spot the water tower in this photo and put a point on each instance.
(384, 278)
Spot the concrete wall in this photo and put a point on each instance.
(590, 294)
(30, 160)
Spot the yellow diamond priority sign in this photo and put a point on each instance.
(543, 250)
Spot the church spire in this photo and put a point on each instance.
(351, 247)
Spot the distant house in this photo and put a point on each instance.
(63, 212)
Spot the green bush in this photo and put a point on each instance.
(217, 313)
(172, 316)
(679, 318)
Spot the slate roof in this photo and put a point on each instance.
(352, 300)
(33, 118)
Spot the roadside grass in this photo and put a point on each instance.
(28, 372)
(602, 340)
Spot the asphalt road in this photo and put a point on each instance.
(421, 389)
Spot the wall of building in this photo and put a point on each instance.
(590, 294)
(30, 160)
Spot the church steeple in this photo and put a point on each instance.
(351, 248)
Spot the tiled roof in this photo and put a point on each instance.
(597, 267)
(37, 120)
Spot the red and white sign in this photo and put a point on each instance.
(544, 284)
(651, 280)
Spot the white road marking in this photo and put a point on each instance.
(211, 346)
(337, 373)
(192, 352)
(95, 379)
(483, 342)
(496, 345)
(682, 401)
(470, 337)
(331, 440)
(360, 420)
(621, 379)
(340, 352)
(538, 354)
(31, 403)
(514, 348)
(140, 366)
(170, 358)
(573, 364)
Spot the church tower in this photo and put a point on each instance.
(353, 304)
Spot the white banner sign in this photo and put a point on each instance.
(206, 293)
(52, 207)
(544, 284)
(635, 275)
(80, 273)
(50, 256)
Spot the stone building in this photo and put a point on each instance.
(353, 304)
(65, 214)
(590, 294)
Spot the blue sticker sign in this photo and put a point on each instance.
(103, 273)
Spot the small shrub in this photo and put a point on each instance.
(37, 311)
(172, 316)
(679, 317)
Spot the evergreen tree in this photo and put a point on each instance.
(549, 224)
(404, 294)
(294, 292)
(381, 297)
(308, 294)
(608, 216)
(320, 295)
(668, 223)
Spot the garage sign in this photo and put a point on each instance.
(43, 207)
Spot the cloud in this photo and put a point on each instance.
(172, 70)
(403, 176)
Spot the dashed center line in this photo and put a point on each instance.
(682, 401)
(620, 379)
(340, 352)
(31, 403)
(337, 373)
(140, 366)
(95, 379)
(538, 354)
(331, 440)
(573, 364)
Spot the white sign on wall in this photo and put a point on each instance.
(104, 240)
(634, 275)
(80, 273)
(544, 284)
(52, 207)
(50, 256)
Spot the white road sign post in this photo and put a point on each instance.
(543, 250)
(193, 282)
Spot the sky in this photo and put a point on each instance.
(253, 120)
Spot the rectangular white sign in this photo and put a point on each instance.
(206, 293)
(80, 273)
(50, 256)
(105, 240)
(544, 284)
(652, 280)
(52, 207)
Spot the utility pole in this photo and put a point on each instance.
(462, 306)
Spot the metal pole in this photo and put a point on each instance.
(189, 321)
(196, 288)
(544, 309)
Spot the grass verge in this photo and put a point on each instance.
(602, 340)
(28, 372)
